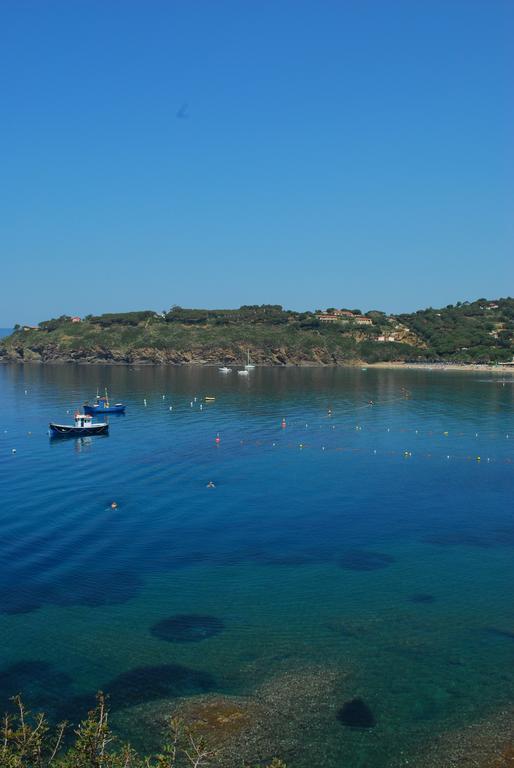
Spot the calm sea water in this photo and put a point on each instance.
(363, 545)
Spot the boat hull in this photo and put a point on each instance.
(65, 430)
(94, 409)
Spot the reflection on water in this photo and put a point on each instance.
(369, 540)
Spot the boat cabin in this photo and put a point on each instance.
(83, 420)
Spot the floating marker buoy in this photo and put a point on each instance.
(194, 399)
(201, 407)
(164, 397)
(301, 445)
(478, 458)
(144, 402)
(171, 407)
(283, 425)
(445, 434)
(217, 440)
(13, 450)
(191, 403)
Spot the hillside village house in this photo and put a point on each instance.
(343, 316)
(76, 320)
(361, 320)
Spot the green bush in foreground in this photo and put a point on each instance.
(28, 741)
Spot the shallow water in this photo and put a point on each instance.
(364, 538)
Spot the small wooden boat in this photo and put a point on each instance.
(102, 405)
(83, 427)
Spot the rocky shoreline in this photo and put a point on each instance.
(276, 357)
(279, 356)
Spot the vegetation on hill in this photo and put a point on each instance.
(28, 741)
(478, 332)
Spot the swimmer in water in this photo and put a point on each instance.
(210, 484)
(114, 505)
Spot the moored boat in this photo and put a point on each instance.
(249, 366)
(225, 369)
(83, 426)
(102, 405)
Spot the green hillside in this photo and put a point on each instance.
(481, 331)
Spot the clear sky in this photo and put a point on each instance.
(216, 153)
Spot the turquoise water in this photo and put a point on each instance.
(363, 545)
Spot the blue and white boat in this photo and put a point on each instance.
(102, 405)
(83, 426)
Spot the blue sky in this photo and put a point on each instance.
(348, 153)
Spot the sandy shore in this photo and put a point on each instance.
(484, 368)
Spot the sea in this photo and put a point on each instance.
(325, 553)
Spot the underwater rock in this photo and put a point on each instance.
(187, 628)
(251, 729)
(356, 714)
(363, 560)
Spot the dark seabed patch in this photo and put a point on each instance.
(499, 632)
(89, 588)
(39, 683)
(501, 536)
(187, 628)
(363, 560)
(150, 683)
(422, 597)
(356, 714)
(16, 601)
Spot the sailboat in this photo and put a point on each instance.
(249, 366)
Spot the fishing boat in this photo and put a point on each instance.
(225, 369)
(102, 405)
(83, 427)
(249, 366)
